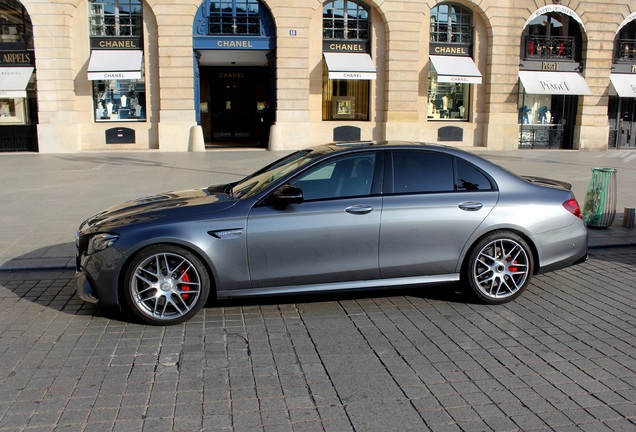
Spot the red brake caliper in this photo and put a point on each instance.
(185, 278)
(512, 268)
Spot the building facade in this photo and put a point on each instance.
(86, 75)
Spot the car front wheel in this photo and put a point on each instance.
(499, 267)
(166, 285)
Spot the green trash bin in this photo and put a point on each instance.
(599, 210)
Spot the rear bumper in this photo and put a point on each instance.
(562, 248)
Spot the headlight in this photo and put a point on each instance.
(99, 242)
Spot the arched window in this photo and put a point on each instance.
(115, 18)
(625, 45)
(451, 23)
(346, 44)
(552, 36)
(345, 20)
(235, 17)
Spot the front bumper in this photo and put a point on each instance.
(97, 276)
(84, 288)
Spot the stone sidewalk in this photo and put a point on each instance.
(561, 358)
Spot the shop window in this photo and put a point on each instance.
(346, 99)
(13, 111)
(544, 120)
(447, 101)
(119, 100)
(115, 18)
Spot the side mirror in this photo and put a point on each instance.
(286, 195)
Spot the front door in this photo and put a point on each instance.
(332, 237)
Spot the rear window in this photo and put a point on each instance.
(470, 178)
(419, 172)
(428, 172)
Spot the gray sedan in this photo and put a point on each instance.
(343, 216)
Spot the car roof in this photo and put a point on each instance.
(493, 169)
(340, 146)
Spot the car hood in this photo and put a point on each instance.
(169, 204)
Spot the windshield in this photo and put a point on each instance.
(261, 179)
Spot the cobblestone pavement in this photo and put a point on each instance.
(562, 357)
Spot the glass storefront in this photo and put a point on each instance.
(622, 100)
(119, 100)
(451, 70)
(116, 65)
(545, 120)
(550, 81)
(447, 101)
(346, 25)
(18, 103)
(622, 122)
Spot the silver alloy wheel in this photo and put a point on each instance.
(165, 287)
(501, 269)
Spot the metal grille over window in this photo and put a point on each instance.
(116, 18)
(235, 18)
(345, 20)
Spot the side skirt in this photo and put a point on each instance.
(339, 286)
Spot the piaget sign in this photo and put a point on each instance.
(561, 86)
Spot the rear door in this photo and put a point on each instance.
(433, 205)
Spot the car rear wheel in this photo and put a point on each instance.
(166, 285)
(499, 267)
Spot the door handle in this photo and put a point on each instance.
(470, 206)
(359, 209)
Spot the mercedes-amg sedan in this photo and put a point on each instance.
(342, 216)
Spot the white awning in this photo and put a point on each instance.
(456, 69)
(350, 66)
(624, 84)
(115, 64)
(13, 81)
(554, 83)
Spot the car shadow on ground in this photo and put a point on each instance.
(55, 288)
(55, 257)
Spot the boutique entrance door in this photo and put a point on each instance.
(622, 120)
(232, 101)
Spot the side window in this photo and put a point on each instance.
(421, 171)
(470, 178)
(346, 176)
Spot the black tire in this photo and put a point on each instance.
(499, 267)
(166, 284)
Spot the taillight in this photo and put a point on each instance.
(573, 207)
